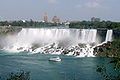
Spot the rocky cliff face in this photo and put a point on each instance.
(109, 49)
(116, 34)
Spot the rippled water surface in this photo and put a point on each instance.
(40, 68)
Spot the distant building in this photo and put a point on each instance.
(55, 19)
(93, 19)
(45, 17)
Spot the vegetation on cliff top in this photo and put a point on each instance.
(76, 24)
(95, 24)
(110, 49)
(28, 24)
(7, 30)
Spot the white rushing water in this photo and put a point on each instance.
(109, 35)
(76, 42)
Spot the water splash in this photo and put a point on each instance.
(42, 40)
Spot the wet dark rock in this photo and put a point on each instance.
(20, 48)
(104, 50)
(66, 51)
(81, 45)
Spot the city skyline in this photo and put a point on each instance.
(65, 9)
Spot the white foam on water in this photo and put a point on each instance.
(54, 41)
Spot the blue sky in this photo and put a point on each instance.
(65, 9)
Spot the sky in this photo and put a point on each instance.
(64, 9)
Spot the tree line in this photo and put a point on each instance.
(73, 24)
(27, 24)
(95, 24)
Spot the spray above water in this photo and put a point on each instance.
(76, 42)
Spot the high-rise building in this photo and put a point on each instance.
(93, 19)
(45, 17)
(55, 19)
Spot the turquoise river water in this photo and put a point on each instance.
(70, 68)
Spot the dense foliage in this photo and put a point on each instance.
(8, 30)
(95, 24)
(79, 24)
(20, 75)
(27, 24)
(110, 71)
(112, 50)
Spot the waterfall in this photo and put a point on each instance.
(47, 36)
(109, 35)
(53, 40)
(89, 35)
